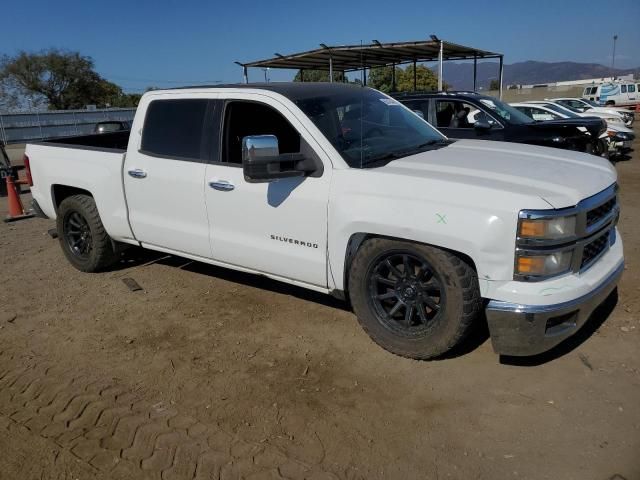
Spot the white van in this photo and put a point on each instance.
(613, 93)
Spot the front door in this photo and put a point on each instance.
(277, 227)
(457, 119)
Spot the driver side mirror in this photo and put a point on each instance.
(482, 126)
(263, 162)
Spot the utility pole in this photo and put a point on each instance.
(613, 58)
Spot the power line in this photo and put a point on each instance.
(150, 80)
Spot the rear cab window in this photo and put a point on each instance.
(174, 129)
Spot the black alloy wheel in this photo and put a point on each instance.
(77, 234)
(405, 292)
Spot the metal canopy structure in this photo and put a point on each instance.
(350, 58)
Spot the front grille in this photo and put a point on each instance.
(596, 214)
(594, 249)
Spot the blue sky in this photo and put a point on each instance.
(167, 43)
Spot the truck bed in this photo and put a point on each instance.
(104, 141)
(91, 163)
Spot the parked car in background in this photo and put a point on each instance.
(614, 141)
(421, 233)
(471, 115)
(588, 106)
(109, 126)
(616, 93)
(611, 119)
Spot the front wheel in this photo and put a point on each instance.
(413, 300)
(82, 236)
(602, 149)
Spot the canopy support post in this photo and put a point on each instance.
(501, 75)
(330, 69)
(475, 72)
(415, 76)
(440, 60)
(393, 78)
(245, 74)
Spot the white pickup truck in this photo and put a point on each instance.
(342, 190)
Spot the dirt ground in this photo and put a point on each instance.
(208, 373)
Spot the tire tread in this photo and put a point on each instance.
(467, 279)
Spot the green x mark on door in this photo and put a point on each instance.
(441, 218)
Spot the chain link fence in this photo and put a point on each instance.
(25, 127)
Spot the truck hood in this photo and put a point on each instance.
(560, 177)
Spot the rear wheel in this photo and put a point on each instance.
(413, 300)
(82, 236)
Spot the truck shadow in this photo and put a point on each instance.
(478, 335)
(135, 257)
(595, 321)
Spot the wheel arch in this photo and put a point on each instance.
(356, 240)
(60, 192)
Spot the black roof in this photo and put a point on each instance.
(291, 90)
(465, 95)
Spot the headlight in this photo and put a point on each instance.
(543, 265)
(547, 228)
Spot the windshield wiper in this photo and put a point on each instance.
(423, 147)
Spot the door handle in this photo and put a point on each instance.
(137, 173)
(222, 185)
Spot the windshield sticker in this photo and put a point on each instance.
(389, 101)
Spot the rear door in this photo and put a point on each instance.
(164, 174)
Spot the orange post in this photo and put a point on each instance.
(16, 210)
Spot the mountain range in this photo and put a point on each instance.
(460, 75)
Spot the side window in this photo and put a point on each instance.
(419, 107)
(174, 128)
(251, 118)
(455, 114)
(542, 115)
(632, 89)
(623, 89)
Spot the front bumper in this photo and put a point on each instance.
(521, 330)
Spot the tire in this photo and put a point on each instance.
(602, 149)
(82, 236)
(440, 295)
(610, 103)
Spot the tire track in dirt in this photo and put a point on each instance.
(119, 434)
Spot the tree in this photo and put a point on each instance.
(65, 79)
(494, 85)
(317, 76)
(381, 79)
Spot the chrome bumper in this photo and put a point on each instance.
(522, 330)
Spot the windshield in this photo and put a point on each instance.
(589, 102)
(562, 110)
(505, 111)
(368, 128)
